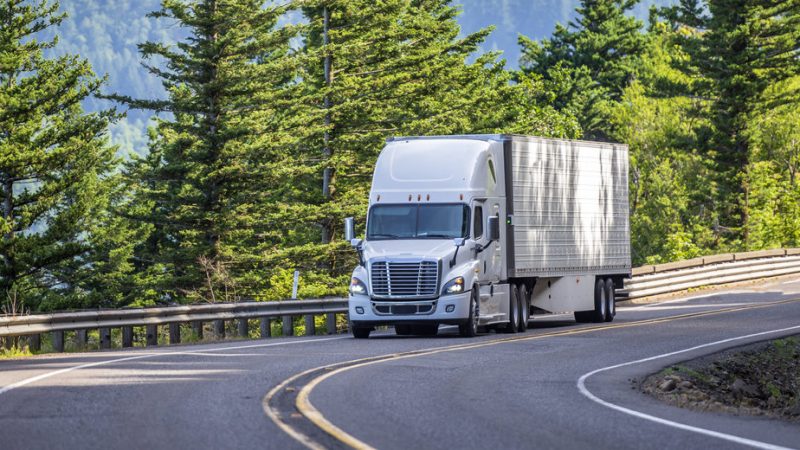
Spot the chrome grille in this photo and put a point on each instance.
(405, 279)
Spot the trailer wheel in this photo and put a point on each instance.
(361, 332)
(470, 328)
(600, 302)
(513, 310)
(524, 308)
(611, 307)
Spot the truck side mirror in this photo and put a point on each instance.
(493, 227)
(349, 229)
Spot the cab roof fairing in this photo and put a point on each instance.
(432, 171)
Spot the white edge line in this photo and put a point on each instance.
(728, 437)
(791, 282)
(43, 376)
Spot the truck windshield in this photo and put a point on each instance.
(418, 221)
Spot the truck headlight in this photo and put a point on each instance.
(454, 286)
(357, 287)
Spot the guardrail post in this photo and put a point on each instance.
(58, 341)
(81, 338)
(127, 337)
(35, 342)
(265, 328)
(219, 329)
(310, 325)
(330, 323)
(244, 328)
(152, 335)
(105, 337)
(174, 333)
(197, 329)
(288, 325)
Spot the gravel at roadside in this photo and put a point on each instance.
(759, 379)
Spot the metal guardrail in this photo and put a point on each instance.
(33, 326)
(646, 281)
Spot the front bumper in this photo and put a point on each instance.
(364, 311)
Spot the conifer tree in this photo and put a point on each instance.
(211, 164)
(738, 49)
(588, 62)
(55, 162)
(380, 69)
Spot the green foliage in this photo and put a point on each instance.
(56, 167)
(15, 352)
(203, 188)
(669, 186)
(771, 185)
(737, 49)
(588, 63)
(682, 123)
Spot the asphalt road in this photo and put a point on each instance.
(555, 386)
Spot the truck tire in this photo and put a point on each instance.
(361, 332)
(525, 308)
(600, 302)
(402, 330)
(470, 328)
(611, 307)
(513, 310)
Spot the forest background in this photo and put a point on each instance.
(224, 141)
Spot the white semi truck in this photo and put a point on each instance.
(486, 230)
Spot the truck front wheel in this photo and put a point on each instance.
(470, 327)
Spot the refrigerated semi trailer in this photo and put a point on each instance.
(484, 231)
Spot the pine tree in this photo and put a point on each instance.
(212, 164)
(738, 48)
(55, 162)
(590, 61)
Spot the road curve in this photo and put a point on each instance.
(560, 385)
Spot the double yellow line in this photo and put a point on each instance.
(312, 414)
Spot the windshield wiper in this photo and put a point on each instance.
(434, 235)
(384, 235)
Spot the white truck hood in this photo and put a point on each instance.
(409, 249)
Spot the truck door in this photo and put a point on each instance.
(488, 259)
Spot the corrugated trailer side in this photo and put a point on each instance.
(569, 207)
